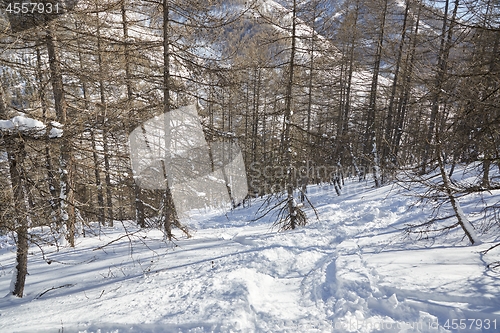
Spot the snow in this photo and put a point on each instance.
(467, 225)
(56, 130)
(353, 270)
(6, 124)
(13, 280)
(32, 126)
(21, 123)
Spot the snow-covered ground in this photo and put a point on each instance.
(351, 270)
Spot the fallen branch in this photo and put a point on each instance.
(115, 240)
(491, 248)
(54, 288)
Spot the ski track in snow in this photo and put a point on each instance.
(351, 271)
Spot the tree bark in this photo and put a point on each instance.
(287, 144)
(51, 179)
(66, 197)
(97, 171)
(104, 128)
(389, 126)
(346, 88)
(462, 219)
(170, 217)
(16, 155)
(405, 95)
(370, 139)
(442, 68)
(3, 105)
(139, 205)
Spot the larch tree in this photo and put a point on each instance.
(66, 196)
(15, 155)
(437, 101)
(370, 140)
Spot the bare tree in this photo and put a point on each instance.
(66, 204)
(446, 43)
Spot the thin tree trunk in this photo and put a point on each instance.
(102, 93)
(490, 150)
(169, 212)
(464, 223)
(310, 82)
(168, 204)
(343, 127)
(287, 146)
(107, 174)
(264, 131)
(66, 196)
(442, 67)
(97, 172)
(139, 205)
(255, 115)
(16, 155)
(97, 175)
(485, 181)
(247, 112)
(405, 99)
(3, 105)
(51, 178)
(370, 139)
(389, 127)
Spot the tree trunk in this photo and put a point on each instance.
(405, 98)
(97, 171)
(168, 202)
(51, 178)
(310, 84)
(442, 68)
(389, 126)
(107, 174)
(16, 155)
(485, 182)
(345, 110)
(97, 175)
(370, 139)
(255, 114)
(3, 105)
(139, 205)
(464, 223)
(287, 144)
(103, 115)
(169, 213)
(66, 196)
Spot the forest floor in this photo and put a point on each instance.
(351, 270)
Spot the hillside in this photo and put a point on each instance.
(351, 270)
(154, 157)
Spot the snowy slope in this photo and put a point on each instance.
(350, 271)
